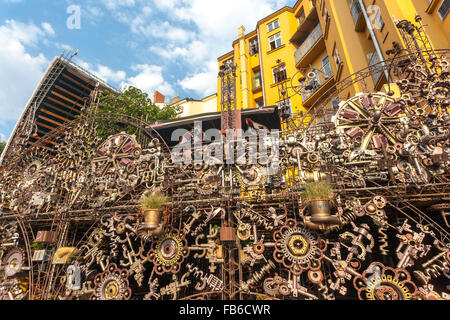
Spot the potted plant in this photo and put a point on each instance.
(319, 196)
(152, 205)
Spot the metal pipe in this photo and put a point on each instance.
(261, 67)
(374, 39)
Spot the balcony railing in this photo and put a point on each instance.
(376, 71)
(309, 42)
(355, 9)
(312, 85)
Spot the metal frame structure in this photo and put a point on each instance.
(72, 226)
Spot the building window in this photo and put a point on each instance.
(257, 80)
(444, 9)
(301, 17)
(273, 25)
(326, 68)
(228, 63)
(337, 58)
(355, 9)
(253, 47)
(279, 73)
(275, 41)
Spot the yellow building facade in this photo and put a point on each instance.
(327, 41)
(190, 107)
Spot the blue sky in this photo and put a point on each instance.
(168, 45)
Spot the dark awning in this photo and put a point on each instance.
(267, 116)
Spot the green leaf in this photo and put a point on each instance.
(133, 102)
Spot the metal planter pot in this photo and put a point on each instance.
(152, 218)
(321, 212)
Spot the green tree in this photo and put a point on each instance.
(2, 146)
(131, 102)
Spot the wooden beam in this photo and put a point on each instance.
(68, 92)
(81, 77)
(67, 99)
(76, 82)
(49, 141)
(81, 92)
(55, 108)
(63, 104)
(55, 115)
(50, 120)
(45, 125)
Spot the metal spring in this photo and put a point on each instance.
(257, 276)
(348, 217)
(383, 238)
(433, 271)
(114, 248)
(145, 237)
(258, 220)
(198, 229)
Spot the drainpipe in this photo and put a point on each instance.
(261, 67)
(374, 39)
(244, 68)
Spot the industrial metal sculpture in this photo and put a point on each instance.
(72, 228)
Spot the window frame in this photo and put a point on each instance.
(278, 69)
(441, 6)
(338, 56)
(252, 42)
(328, 63)
(301, 15)
(257, 75)
(275, 37)
(272, 25)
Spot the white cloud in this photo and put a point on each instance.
(26, 34)
(170, 52)
(204, 82)
(18, 66)
(48, 28)
(63, 46)
(193, 32)
(103, 72)
(194, 52)
(218, 18)
(116, 4)
(83, 64)
(92, 14)
(217, 24)
(110, 75)
(161, 30)
(149, 79)
(167, 4)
